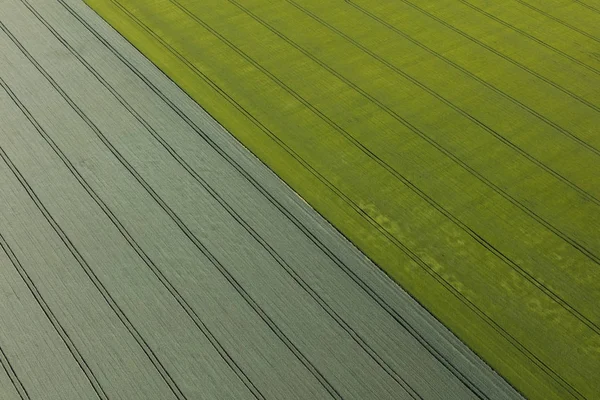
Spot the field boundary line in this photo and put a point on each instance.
(527, 353)
(414, 129)
(239, 219)
(450, 155)
(400, 119)
(301, 227)
(542, 287)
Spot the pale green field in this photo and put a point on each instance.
(456, 143)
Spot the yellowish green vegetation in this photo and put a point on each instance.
(456, 143)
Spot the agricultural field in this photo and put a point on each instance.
(455, 142)
(146, 254)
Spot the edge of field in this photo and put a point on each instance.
(512, 368)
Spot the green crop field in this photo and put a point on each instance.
(456, 143)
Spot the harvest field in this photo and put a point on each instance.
(455, 142)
